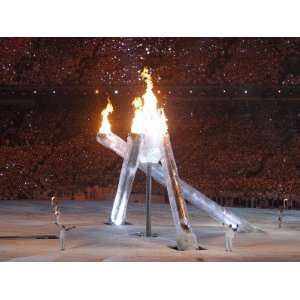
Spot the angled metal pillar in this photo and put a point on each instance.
(128, 171)
(186, 239)
(192, 195)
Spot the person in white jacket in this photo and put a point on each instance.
(62, 234)
(56, 209)
(62, 228)
(57, 214)
(229, 236)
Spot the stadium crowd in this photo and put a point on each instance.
(45, 62)
(238, 153)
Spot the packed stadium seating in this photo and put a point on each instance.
(230, 149)
(239, 152)
(207, 61)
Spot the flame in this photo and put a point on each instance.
(147, 117)
(163, 121)
(137, 122)
(105, 125)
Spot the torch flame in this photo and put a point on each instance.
(163, 121)
(147, 117)
(105, 125)
(137, 122)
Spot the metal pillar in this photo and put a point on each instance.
(115, 143)
(148, 199)
(128, 172)
(186, 239)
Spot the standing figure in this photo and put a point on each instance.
(56, 209)
(62, 234)
(62, 228)
(53, 202)
(280, 217)
(57, 214)
(229, 236)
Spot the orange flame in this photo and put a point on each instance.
(147, 117)
(137, 122)
(105, 125)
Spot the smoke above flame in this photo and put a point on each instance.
(105, 124)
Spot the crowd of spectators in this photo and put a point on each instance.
(249, 152)
(45, 62)
(227, 149)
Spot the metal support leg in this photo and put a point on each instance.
(148, 200)
(186, 239)
(195, 197)
(128, 171)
